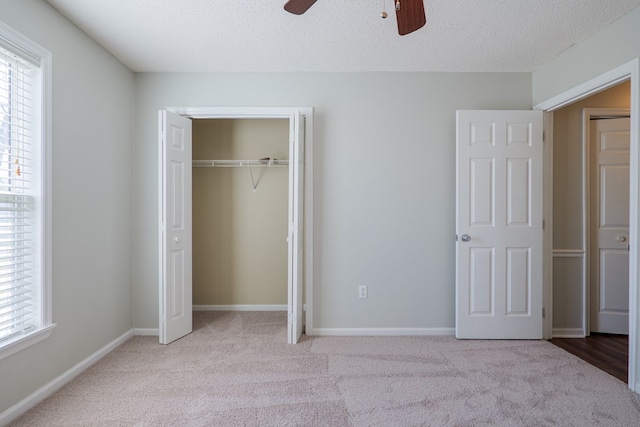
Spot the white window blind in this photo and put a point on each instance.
(18, 302)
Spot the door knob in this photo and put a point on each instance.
(621, 239)
(177, 240)
(465, 238)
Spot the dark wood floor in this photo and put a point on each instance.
(605, 351)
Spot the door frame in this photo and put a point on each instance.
(278, 113)
(628, 71)
(587, 115)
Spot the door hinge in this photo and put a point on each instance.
(543, 312)
(543, 224)
(456, 237)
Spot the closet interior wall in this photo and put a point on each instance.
(240, 235)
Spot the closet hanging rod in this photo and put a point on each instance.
(240, 163)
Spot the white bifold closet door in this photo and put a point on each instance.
(175, 227)
(296, 227)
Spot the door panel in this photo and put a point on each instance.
(176, 285)
(518, 283)
(518, 176)
(614, 187)
(609, 210)
(481, 188)
(480, 281)
(499, 224)
(175, 227)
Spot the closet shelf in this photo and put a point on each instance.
(262, 163)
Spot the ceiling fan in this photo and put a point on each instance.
(409, 13)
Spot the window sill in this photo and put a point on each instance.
(20, 343)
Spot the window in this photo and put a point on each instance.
(25, 254)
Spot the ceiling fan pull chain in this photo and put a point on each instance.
(397, 4)
(383, 14)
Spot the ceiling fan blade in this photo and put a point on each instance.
(298, 7)
(410, 16)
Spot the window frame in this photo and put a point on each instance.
(42, 137)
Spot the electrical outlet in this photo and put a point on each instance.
(362, 291)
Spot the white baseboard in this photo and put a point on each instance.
(567, 333)
(52, 386)
(380, 332)
(146, 332)
(241, 307)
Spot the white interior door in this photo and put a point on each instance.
(609, 213)
(499, 224)
(175, 227)
(296, 227)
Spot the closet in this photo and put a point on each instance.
(240, 213)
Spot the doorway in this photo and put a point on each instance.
(554, 274)
(175, 203)
(576, 272)
(572, 196)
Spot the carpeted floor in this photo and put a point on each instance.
(236, 369)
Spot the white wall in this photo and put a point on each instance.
(384, 175)
(613, 46)
(92, 169)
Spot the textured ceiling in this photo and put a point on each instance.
(338, 35)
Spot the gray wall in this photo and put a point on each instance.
(615, 45)
(384, 182)
(92, 173)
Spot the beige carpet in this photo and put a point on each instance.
(236, 369)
